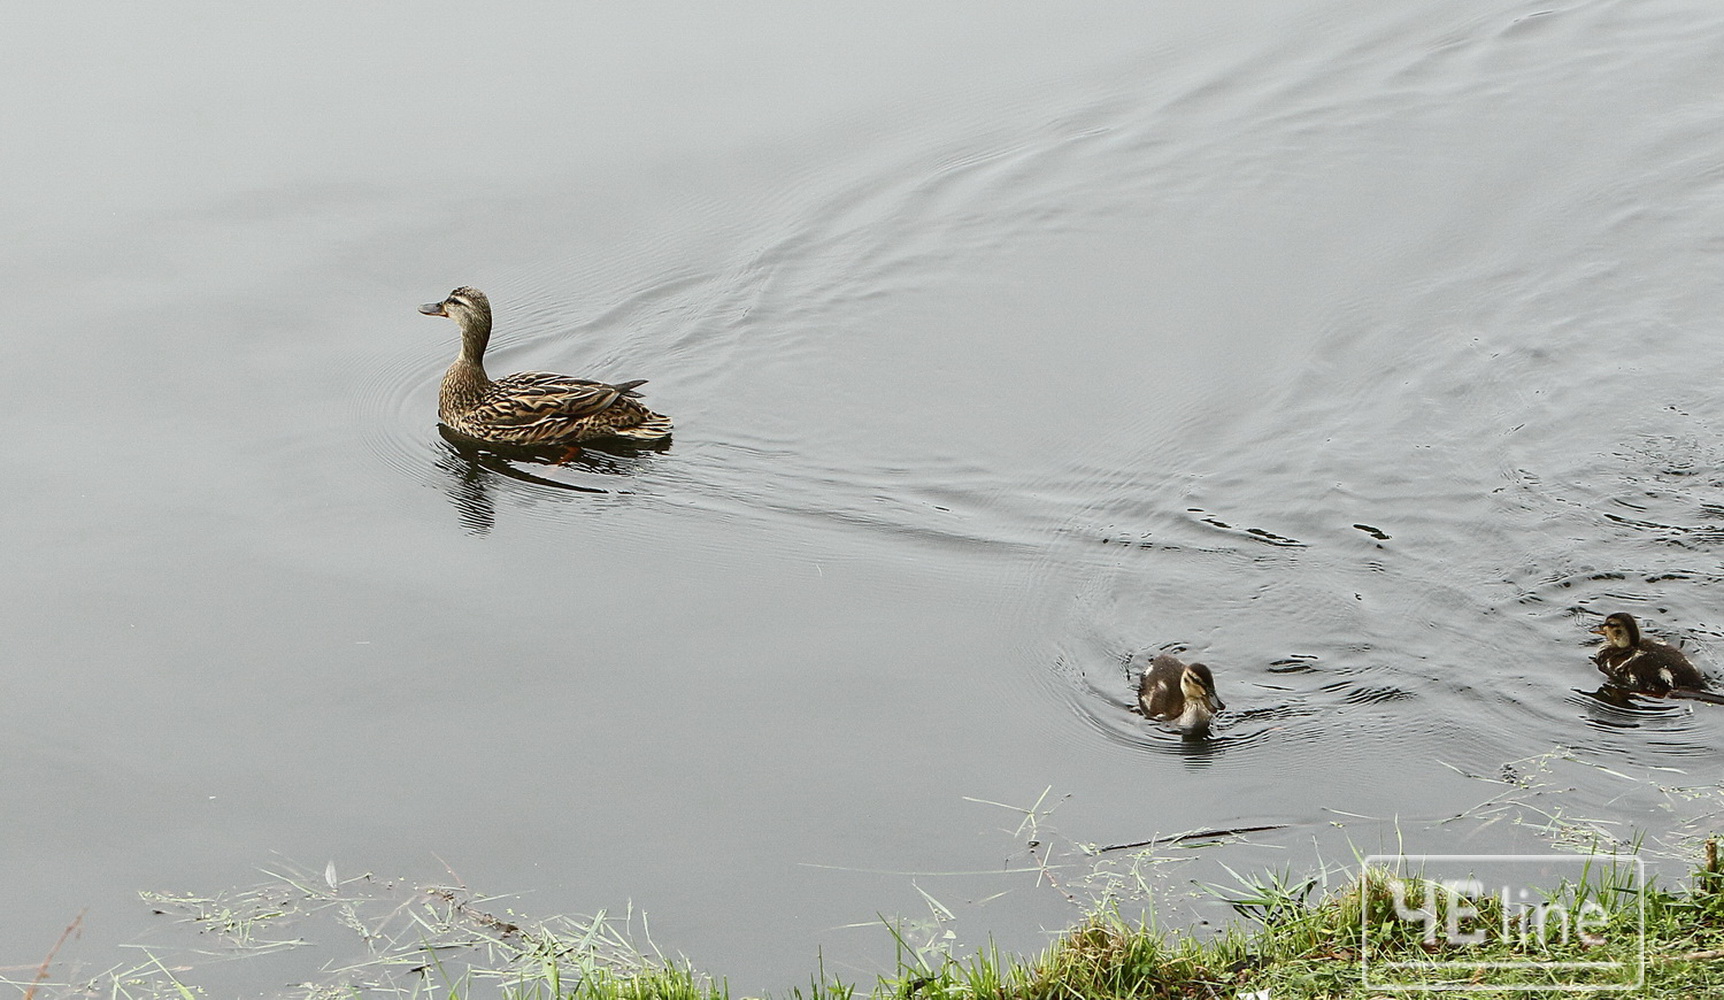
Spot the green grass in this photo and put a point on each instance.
(1301, 949)
(1292, 946)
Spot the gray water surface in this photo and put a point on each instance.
(1367, 352)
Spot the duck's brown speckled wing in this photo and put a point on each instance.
(545, 406)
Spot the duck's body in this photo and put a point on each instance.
(531, 409)
(1640, 664)
(1182, 694)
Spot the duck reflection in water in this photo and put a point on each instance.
(473, 470)
(1183, 695)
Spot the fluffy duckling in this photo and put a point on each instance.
(1183, 694)
(1639, 664)
(531, 409)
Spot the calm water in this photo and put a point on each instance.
(1367, 352)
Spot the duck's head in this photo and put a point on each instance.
(463, 305)
(1198, 686)
(471, 310)
(1619, 630)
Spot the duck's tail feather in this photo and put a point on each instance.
(656, 427)
(628, 388)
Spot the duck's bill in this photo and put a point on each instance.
(1596, 630)
(433, 309)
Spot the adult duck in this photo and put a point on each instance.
(531, 409)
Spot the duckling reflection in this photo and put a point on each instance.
(1181, 694)
(1635, 663)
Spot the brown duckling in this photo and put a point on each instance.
(1182, 694)
(1639, 664)
(531, 409)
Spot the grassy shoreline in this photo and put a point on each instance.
(445, 943)
(1294, 950)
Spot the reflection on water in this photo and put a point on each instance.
(1676, 727)
(1621, 706)
(468, 489)
(1197, 750)
(475, 471)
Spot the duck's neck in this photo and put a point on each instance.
(466, 381)
(474, 337)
